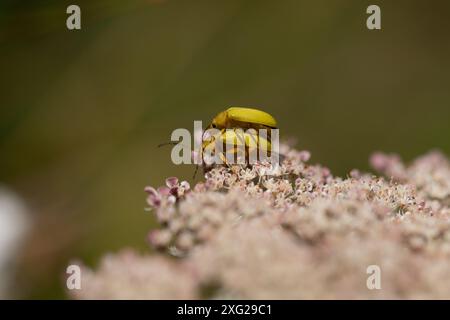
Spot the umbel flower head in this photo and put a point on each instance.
(291, 232)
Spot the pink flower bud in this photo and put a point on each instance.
(172, 182)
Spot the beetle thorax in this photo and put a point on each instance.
(221, 120)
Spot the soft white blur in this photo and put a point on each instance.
(14, 223)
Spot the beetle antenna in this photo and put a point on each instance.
(195, 172)
(167, 143)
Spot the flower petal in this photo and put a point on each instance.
(151, 190)
(164, 191)
(172, 182)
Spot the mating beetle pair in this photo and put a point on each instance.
(245, 134)
(229, 126)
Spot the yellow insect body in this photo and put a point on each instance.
(231, 140)
(241, 117)
(236, 146)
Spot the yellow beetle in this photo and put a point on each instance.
(243, 117)
(236, 146)
(230, 125)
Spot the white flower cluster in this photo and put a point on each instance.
(295, 232)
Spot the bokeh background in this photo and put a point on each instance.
(82, 112)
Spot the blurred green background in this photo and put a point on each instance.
(81, 112)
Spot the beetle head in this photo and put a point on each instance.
(220, 121)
